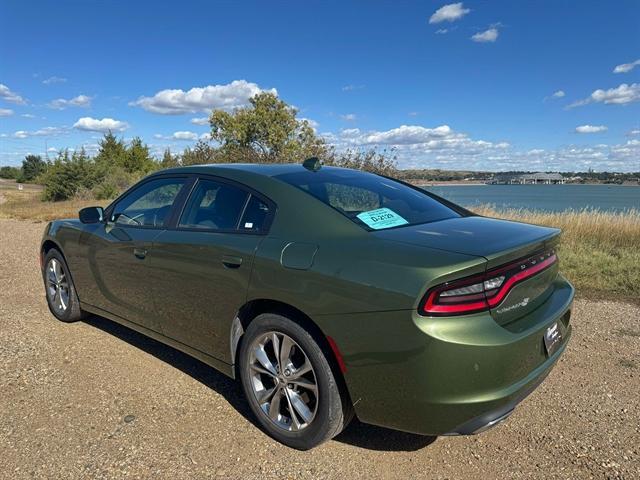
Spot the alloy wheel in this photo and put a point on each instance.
(283, 381)
(57, 286)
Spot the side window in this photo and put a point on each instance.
(214, 206)
(255, 215)
(149, 204)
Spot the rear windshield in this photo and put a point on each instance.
(371, 201)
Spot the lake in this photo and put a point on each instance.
(551, 198)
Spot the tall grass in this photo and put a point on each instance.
(599, 251)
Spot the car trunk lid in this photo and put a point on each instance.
(522, 247)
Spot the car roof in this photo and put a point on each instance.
(264, 169)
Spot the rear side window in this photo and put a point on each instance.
(255, 215)
(214, 206)
(372, 201)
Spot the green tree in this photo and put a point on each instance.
(265, 131)
(200, 154)
(9, 172)
(381, 162)
(112, 152)
(32, 167)
(69, 176)
(169, 160)
(138, 160)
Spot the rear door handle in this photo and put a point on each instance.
(140, 253)
(230, 261)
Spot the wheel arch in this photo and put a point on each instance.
(46, 247)
(250, 310)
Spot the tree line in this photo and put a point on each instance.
(266, 131)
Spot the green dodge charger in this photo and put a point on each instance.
(328, 292)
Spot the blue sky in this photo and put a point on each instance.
(457, 86)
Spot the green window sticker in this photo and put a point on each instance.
(382, 218)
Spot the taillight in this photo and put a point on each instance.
(482, 292)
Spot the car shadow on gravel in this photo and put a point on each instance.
(357, 433)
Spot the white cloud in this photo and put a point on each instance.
(28, 115)
(6, 112)
(54, 79)
(591, 129)
(9, 96)
(635, 131)
(349, 117)
(416, 146)
(201, 99)
(103, 126)
(180, 135)
(43, 132)
(620, 95)
(626, 67)
(205, 137)
(558, 94)
(449, 13)
(79, 101)
(200, 121)
(490, 35)
(349, 88)
(184, 135)
(442, 31)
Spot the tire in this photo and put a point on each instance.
(272, 398)
(60, 291)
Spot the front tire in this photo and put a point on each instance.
(60, 292)
(289, 384)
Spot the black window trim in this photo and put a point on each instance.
(186, 186)
(174, 224)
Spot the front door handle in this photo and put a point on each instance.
(230, 261)
(140, 253)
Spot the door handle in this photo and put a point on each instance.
(230, 261)
(140, 253)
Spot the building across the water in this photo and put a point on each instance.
(539, 178)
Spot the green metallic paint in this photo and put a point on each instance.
(363, 289)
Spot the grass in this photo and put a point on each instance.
(599, 252)
(27, 205)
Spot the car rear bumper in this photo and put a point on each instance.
(447, 375)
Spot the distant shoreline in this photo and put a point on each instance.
(475, 184)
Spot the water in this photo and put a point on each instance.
(550, 198)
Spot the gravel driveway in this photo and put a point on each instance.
(96, 400)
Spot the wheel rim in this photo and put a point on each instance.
(283, 381)
(57, 286)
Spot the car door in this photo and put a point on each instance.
(120, 249)
(204, 263)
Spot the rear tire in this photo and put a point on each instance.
(289, 384)
(59, 288)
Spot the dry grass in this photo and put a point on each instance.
(600, 252)
(27, 205)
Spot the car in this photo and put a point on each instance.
(328, 292)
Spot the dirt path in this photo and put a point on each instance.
(96, 400)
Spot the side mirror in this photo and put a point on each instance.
(91, 214)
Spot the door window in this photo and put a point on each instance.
(214, 206)
(149, 204)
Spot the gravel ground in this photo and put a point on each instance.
(96, 400)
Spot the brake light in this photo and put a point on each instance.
(482, 292)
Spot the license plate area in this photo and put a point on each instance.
(552, 339)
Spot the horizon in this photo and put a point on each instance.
(463, 86)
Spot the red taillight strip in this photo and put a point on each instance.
(430, 307)
(519, 277)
